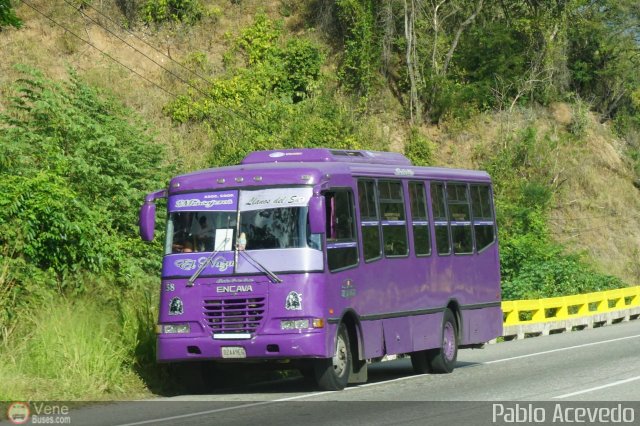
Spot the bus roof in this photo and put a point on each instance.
(316, 155)
(311, 166)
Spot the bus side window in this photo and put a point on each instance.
(441, 222)
(342, 246)
(459, 218)
(369, 219)
(421, 232)
(394, 224)
(483, 219)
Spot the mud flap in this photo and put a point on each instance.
(358, 371)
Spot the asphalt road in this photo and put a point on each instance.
(542, 373)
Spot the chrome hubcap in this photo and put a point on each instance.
(448, 341)
(340, 358)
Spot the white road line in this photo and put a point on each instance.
(366, 385)
(619, 382)
(561, 349)
(219, 410)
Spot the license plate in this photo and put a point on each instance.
(233, 352)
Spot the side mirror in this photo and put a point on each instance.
(147, 221)
(317, 215)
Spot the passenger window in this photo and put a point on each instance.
(420, 219)
(460, 218)
(342, 247)
(483, 219)
(394, 225)
(369, 219)
(440, 220)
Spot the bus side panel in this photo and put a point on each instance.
(398, 337)
(481, 325)
(373, 338)
(426, 331)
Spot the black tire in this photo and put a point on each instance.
(443, 359)
(420, 363)
(332, 374)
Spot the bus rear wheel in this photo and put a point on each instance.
(442, 360)
(332, 374)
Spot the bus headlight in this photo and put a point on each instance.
(299, 324)
(174, 328)
(294, 324)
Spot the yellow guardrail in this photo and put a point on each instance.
(518, 312)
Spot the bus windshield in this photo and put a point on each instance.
(276, 228)
(274, 218)
(197, 231)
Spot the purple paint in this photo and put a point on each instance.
(396, 303)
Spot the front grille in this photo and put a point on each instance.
(238, 315)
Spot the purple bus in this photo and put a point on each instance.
(328, 259)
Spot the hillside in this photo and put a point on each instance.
(596, 207)
(103, 101)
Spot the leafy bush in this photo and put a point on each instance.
(186, 11)
(74, 165)
(8, 16)
(419, 149)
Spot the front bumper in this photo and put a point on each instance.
(172, 348)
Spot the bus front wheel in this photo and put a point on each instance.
(333, 373)
(442, 360)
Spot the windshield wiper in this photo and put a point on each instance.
(273, 277)
(206, 262)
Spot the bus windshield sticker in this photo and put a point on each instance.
(215, 201)
(275, 198)
(224, 237)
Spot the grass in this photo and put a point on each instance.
(77, 350)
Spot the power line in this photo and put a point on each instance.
(624, 218)
(186, 82)
(98, 49)
(125, 42)
(131, 33)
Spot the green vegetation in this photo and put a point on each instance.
(8, 15)
(419, 149)
(158, 11)
(74, 166)
(77, 349)
(359, 66)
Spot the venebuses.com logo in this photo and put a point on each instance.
(20, 413)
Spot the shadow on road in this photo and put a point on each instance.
(222, 379)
